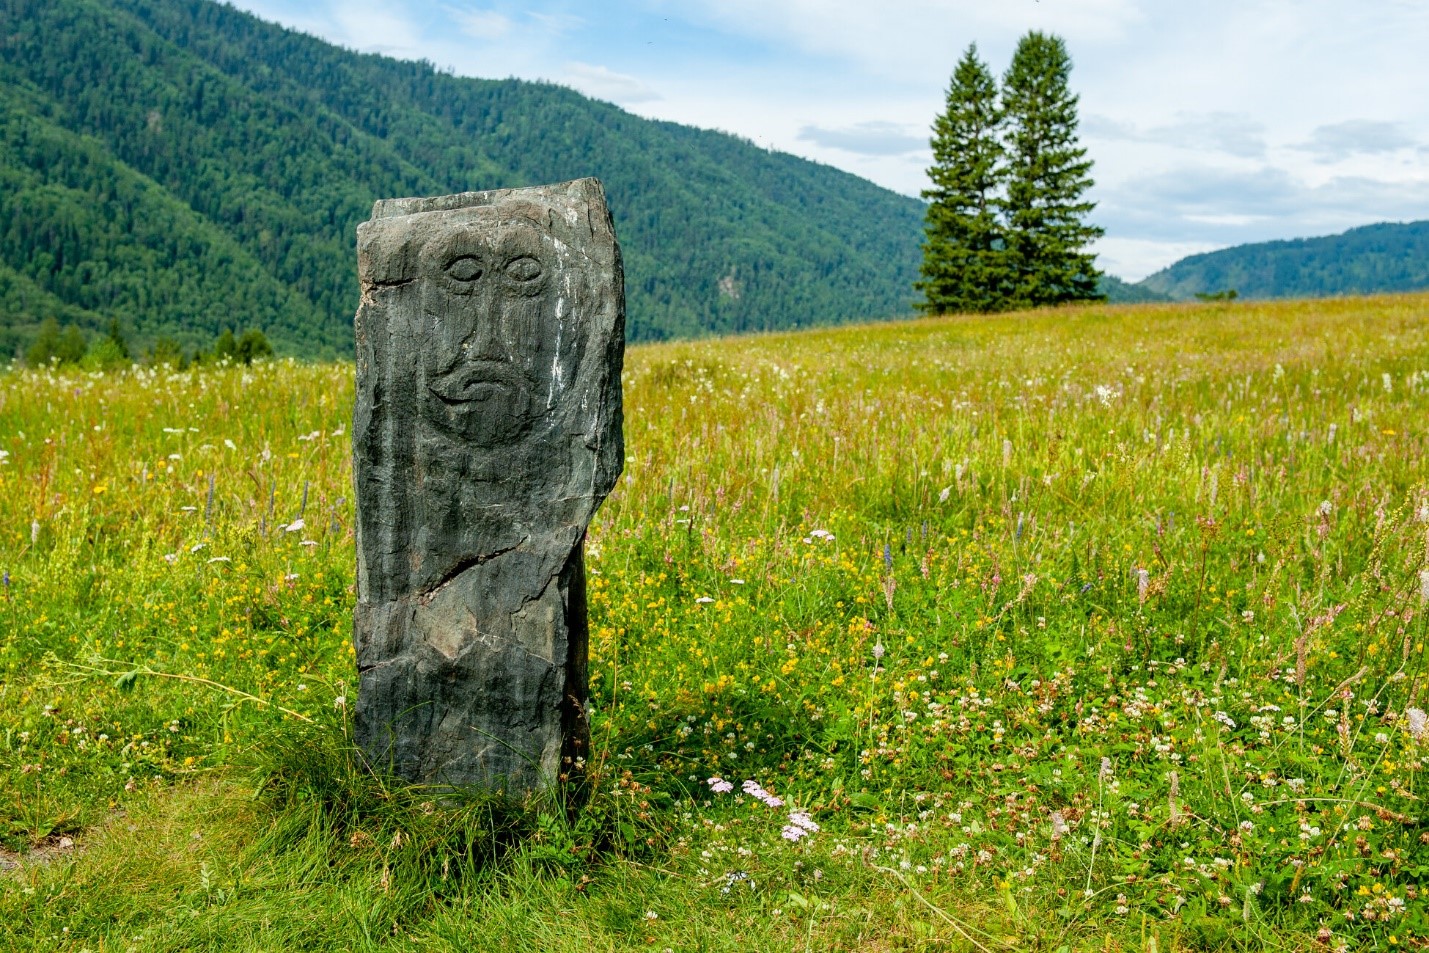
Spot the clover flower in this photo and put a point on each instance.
(1416, 721)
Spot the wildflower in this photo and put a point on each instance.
(1143, 583)
(1059, 826)
(703, 600)
(754, 790)
(1416, 721)
(802, 820)
(1105, 771)
(719, 785)
(878, 650)
(296, 525)
(34, 532)
(792, 833)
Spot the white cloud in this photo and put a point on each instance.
(873, 138)
(1338, 141)
(374, 27)
(913, 39)
(556, 23)
(1235, 134)
(601, 82)
(481, 24)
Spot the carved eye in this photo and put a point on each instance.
(465, 268)
(523, 269)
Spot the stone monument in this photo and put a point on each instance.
(487, 430)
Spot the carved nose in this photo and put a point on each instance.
(487, 340)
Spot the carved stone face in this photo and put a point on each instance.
(486, 430)
(494, 358)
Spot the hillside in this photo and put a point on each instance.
(187, 167)
(1373, 259)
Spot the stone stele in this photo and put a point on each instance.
(487, 430)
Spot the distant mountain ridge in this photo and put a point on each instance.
(187, 167)
(1372, 259)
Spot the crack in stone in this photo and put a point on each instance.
(471, 562)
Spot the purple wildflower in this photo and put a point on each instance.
(720, 785)
(754, 790)
(802, 820)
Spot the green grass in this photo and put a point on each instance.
(1077, 629)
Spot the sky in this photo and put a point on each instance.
(1209, 124)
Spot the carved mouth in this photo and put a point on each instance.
(477, 381)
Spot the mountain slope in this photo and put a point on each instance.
(182, 128)
(1368, 260)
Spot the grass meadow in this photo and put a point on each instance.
(1097, 628)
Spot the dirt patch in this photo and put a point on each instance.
(49, 849)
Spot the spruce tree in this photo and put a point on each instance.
(965, 262)
(1047, 179)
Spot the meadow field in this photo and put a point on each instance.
(1095, 628)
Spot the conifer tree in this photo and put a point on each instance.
(965, 262)
(1048, 176)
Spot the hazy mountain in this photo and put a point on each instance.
(1367, 260)
(1124, 292)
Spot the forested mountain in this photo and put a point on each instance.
(1367, 260)
(187, 167)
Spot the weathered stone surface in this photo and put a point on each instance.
(487, 430)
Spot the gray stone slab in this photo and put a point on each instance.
(487, 430)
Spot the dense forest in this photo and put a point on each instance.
(185, 167)
(1367, 260)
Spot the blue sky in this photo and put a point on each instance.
(1210, 123)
